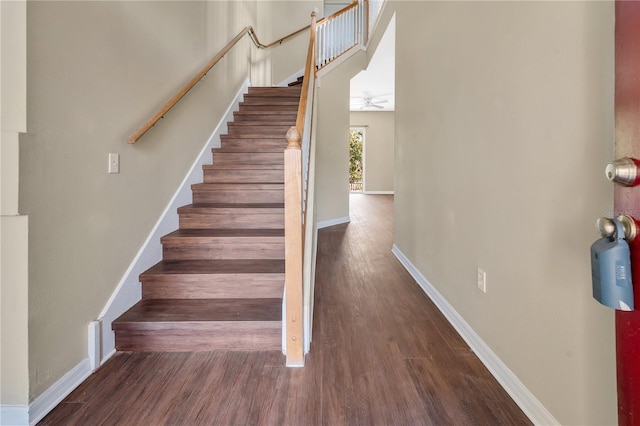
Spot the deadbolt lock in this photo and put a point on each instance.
(624, 171)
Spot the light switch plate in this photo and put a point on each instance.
(114, 163)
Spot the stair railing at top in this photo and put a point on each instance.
(329, 38)
(345, 29)
(176, 98)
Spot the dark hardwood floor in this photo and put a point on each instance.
(382, 354)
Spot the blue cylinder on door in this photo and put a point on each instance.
(611, 271)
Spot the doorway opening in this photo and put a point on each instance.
(356, 159)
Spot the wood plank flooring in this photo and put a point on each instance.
(382, 354)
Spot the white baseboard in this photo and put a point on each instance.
(332, 222)
(527, 402)
(58, 391)
(128, 292)
(14, 415)
(378, 192)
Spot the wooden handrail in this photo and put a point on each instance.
(302, 107)
(254, 37)
(367, 14)
(176, 98)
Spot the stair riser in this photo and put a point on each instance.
(253, 135)
(215, 286)
(244, 176)
(244, 107)
(244, 117)
(255, 142)
(231, 196)
(278, 91)
(262, 158)
(259, 128)
(251, 132)
(270, 100)
(195, 337)
(224, 248)
(232, 221)
(263, 123)
(277, 147)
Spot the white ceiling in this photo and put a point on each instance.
(377, 82)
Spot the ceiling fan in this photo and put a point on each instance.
(367, 102)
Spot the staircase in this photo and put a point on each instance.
(220, 283)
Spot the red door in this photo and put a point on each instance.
(627, 200)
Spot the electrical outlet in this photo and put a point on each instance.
(114, 163)
(482, 280)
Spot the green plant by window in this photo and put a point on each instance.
(355, 156)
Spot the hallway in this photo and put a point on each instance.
(382, 354)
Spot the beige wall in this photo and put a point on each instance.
(14, 228)
(277, 19)
(14, 369)
(332, 139)
(97, 70)
(379, 147)
(504, 121)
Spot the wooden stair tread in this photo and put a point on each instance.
(255, 166)
(279, 89)
(265, 123)
(273, 113)
(200, 310)
(237, 186)
(273, 135)
(216, 266)
(244, 138)
(257, 142)
(224, 233)
(249, 149)
(266, 106)
(258, 128)
(298, 81)
(273, 98)
(264, 114)
(202, 207)
(279, 92)
(243, 166)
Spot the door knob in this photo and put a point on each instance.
(624, 171)
(607, 228)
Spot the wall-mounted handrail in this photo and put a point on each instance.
(254, 37)
(176, 98)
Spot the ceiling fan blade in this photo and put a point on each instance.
(377, 106)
